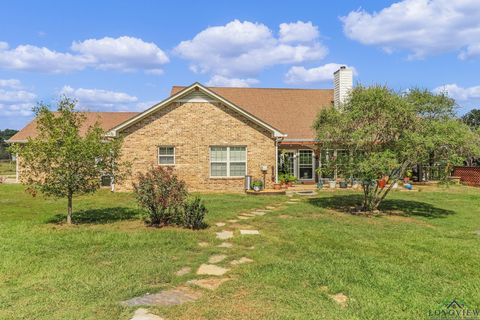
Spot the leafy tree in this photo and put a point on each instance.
(5, 135)
(67, 159)
(388, 132)
(472, 118)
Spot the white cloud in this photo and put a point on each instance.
(15, 101)
(301, 75)
(99, 99)
(459, 93)
(32, 58)
(123, 54)
(298, 32)
(222, 81)
(243, 49)
(10, 83)
(422, 27)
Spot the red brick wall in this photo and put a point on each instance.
(468, 175)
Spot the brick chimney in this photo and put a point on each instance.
(343, 82)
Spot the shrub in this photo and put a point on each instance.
(257, 183)
(162, 194)
(193, 214)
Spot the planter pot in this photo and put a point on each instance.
(276, 186)
(332, 184)
(343, 184)
(381, 183)
(406, 180)
(283, 185)
(256, 188)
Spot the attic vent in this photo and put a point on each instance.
(196, 96)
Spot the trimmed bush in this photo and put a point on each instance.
(193, 214)
(162, 194)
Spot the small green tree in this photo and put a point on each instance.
(65, 158)
(388, 132)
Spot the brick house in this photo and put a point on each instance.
(214, 136)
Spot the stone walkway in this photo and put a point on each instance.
(188, 292)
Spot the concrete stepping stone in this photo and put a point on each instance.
(244, 218)
(203, 244)
(271, 207)
(249, 232)
(224, 235)
(210, 284)
(247, 214)
(168, 297)
(144, 314)
(260, 213)
(242, 260)
(211, 270)
(183, 271)
(225, 245)
(216, 258)
(220, 224)
(341, 299)
(232, 221)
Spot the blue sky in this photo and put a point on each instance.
(126, 55)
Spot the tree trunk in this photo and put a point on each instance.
(69, 210)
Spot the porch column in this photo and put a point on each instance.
(276, 160)
(17, 174)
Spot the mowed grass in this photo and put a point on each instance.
(7, 168)
(400, 266)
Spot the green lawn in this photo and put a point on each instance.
(390, 267)
(7, 168)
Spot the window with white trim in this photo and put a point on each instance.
(166, 155)
(228, 161)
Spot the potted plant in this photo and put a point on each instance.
(381, 183)
(320, 184)
(291, 179)
(408, 176)
(257, 185)
(343, 184)
(283, 180)
(332, 183)
(277, 186)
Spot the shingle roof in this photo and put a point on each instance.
(107, 120)
(292, 111)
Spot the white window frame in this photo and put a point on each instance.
(168, 155)
(313, 164)
(227, 162)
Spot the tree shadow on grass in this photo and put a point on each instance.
(98, 216)
(345, 203)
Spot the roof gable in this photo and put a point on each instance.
(292, 111)
(195, 92)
